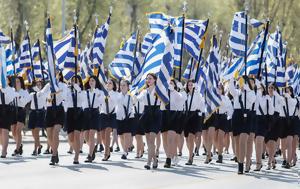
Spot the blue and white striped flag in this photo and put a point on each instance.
(9, 60)
(3, 38)
(233, 69)
(99, 47)
(256, 23)
(61, 48)
(147, 43)
(85, 66)
(37, 66)
(3, 71)
(25, 59)
(50, 56)
(237, 38)
(159, 21)
(289, 73)
(213, 60)
(166, 68)
(194, 34)
(122, 64)
(190, 69)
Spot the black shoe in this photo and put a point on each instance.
(207, 161)
(147, 167)
(179, 154)
(258, 167)
(155, 164)
(39, 149)
(190, 162)
(80, 151)
(101, 148)
(52, 161)
(21, 149)
(283, 163)
(111, 149)
(263, 156)
(56, 159)
(16, 152)
(117, 149)
(34, 153)
(287, 166)
(106, 158)
(123, 156)
(3, 156)
(47, 151)
(69, 152)
(75, 162)
(88, 159)
(241, 168)
(220, 159)
(234, 159)
(94, 153)
(168, 163)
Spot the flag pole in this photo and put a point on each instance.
(12, 48)
(246, 38)
(262, 51)
(76, 45)
(134, 52)
(41, 60)
(31, 62)
(190, 73)
(182, 39)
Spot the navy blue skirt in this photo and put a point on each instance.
(138, 128)
(19, 115)
(261, 125)
(55, 115)
(151, 119)
(108, 121)
(91, 119)
(192, 123)
(125, 126)
(222, 123)
(36, 119)
(6, 116)
(74, 120)
(169, 121)
(273, 131)
(296, 124)
(240, 122)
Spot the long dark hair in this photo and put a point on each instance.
(291, 90)
(154, 77)
(187, 85)
(21, 81)
(97, 86)
(175, 84)
(114, 84)
(79, 81)
(60, 77)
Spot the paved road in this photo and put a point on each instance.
(28, 172)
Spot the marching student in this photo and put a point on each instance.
(273, 125)
(169, 122)
(139, 129)
(37, 114)
(223, 116)
(108, 116)
(125, 117)
(7, 95)
(19, 114)
(151, 118)
(55, 117)
(243, 98)
(74, 115)
(290, 110)
(264, 109)
(93, 98)
(194, 110)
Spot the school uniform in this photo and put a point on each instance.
(264, 112)
(108, 111)
(289, 110)
(170, 112)
(273, 132)
(195, 109)
(19, 103)
(151, 117)
(37, 109)
(242, 103)
(55, 114)
(92, 100)
(7, 95)
(223, 115)
(74, 104)
(138, 128)
(125, 114)
(297, 120)
(180, 118)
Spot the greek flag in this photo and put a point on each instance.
(233, 69)
(147, 43)
(99, 42)
(237, 38)
(3, 38)
(190, 69)
(85, 66)
(194, 34)
(122, 64)
(295, 82)
(166, 68)
(256, 23)
(159, 21)
(213, 60)
(9, 60)
(290, 72)
(25, 59)
(37, 65)
(253, 58)
(61, 48)
(50, 57)
(3, 71)
(280, 72)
